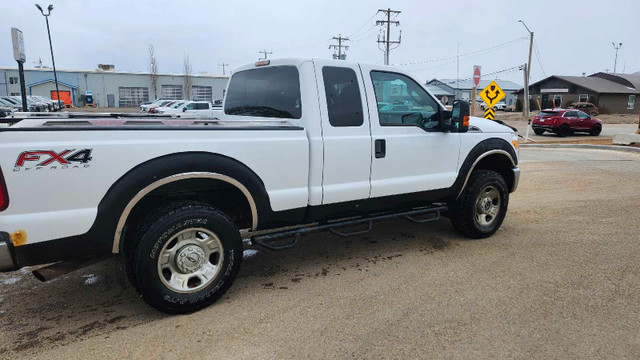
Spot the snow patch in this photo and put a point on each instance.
(249, 253)
(91, 279)
(9, 281)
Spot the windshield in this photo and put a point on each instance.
(265, 92)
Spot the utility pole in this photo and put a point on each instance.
(527, 71)
(386, 39)
(526, 101)
(339, 47)
(265, 52)
(223, 67)
(616, 61)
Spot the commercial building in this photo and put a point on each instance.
(462, 89)
(611, 93)
(111, 88)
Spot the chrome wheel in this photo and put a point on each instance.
(487, 206)
(190, 260)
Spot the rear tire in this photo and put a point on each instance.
(187, 257)
(564, 131)
(538, 132)
(482, 206)
(596, 130)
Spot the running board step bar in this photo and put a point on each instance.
(273, 241)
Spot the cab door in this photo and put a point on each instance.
(412, 155)
(345, 134)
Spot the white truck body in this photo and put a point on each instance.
(71, 190)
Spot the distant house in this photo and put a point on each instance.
(462, 89)
(447, 97)
(611, 93)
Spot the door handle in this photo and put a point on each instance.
(380, 148)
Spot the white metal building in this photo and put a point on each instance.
(111, 88)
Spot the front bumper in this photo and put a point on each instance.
(7, 257)
(516, 179)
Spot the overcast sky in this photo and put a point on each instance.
(571, 37)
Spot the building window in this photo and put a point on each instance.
(171, 92)
(13, 80)
(631, 104)
(201, 93)
(583, 98)
(132, 96)
(15, 94)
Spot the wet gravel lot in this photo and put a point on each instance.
(559, 280)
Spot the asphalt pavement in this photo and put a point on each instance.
(559, 280)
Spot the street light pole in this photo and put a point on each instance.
(53, 60)
(616, 61)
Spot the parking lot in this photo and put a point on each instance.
(559, 280)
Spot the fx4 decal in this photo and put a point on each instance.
(43, 158)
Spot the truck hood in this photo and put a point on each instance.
(489, 126)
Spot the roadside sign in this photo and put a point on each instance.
(491, 95)
(18, 45)
(476, 75)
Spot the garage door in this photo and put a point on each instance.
(201, 93)
(65, 96)
(171, 92)
(132, 96)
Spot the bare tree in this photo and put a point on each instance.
(153, 70)
(188, 80)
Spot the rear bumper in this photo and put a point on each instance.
(543, 127)
(7, 255)
(516, 179)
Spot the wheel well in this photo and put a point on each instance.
(500, 164)
(226, 197)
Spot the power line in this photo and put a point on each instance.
(363, 25)
(386, 37)
(476, 52)
(535, 46)
(339, 46)
(503, 71)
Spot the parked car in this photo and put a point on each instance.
(502, 106)
(5, 111)
(42, 104)
(194, 109)
(54, 105)
(163, 104)
(585, 107)
(155, 103)
(564, 122)
(172, 201)
(9, 104)
(18, 101)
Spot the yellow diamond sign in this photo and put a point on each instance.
(492, 94)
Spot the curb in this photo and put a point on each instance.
(584, 146)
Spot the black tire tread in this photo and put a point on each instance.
(459, 216)
(157, 219)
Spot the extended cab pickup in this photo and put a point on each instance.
(301, 142)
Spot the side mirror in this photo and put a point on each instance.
(460, 116)
(184, 109)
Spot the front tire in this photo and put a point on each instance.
(187, 257)
(482, 206)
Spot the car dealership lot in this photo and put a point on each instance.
(559, 280)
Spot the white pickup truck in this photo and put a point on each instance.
(304, 145)
(192, 110)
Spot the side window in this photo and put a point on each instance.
(191, 106)
(582, 115)
(202, 106)
(402, 101)
(570, 114)
(344, 103)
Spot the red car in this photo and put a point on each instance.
(565, 122)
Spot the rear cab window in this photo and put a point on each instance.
(344, 104)
(547, 113)
(272, 92)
